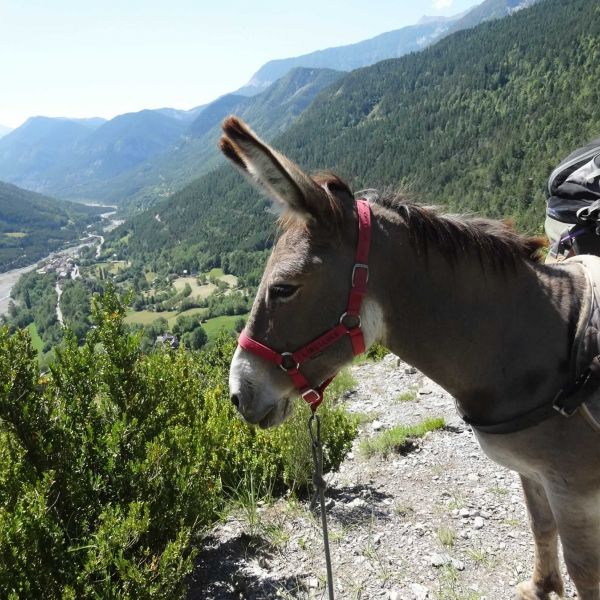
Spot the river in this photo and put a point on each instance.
(7, 280)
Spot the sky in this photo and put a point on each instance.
(85, 58)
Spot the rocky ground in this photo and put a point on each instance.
(441, 521)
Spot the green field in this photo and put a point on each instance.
(36, 340)
(198, 291)
(216, 273)
(112, 266)
(145, 317)
(214, 326)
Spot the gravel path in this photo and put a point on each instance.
(441, 521)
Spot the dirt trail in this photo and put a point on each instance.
(442, 521)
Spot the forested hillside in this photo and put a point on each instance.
(31, 225)
(475, 122)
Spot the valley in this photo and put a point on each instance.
(373, 126)
(130, 257)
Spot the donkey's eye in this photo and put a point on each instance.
(282, 291)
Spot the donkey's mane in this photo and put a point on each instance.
(456, 235)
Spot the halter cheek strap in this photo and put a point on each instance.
(290, 362)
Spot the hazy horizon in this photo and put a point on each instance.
(64, 60)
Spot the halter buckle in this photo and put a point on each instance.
(311, 396)
(284, 355)
(360, 266)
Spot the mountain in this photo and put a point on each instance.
(4, 130)
(195, 152)
(475, 122)
(32, 225)
(183, 115)
(117, 146)
(38, 145)
(392, 44)
(66, 156)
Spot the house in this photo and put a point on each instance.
(167, 340)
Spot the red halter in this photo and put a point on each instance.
(290, 361)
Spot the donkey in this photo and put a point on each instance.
(465, 301)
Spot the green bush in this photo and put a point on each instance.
(113, 463)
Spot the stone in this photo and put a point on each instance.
(410, 371)
(357, 503)
(376, 425)
(478, 523)
(459, 565)
(439, 560)
(419, 591)
(464, 512)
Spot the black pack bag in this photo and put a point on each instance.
(573, 211)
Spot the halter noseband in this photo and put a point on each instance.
(290, 362)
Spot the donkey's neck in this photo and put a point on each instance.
(498, 339)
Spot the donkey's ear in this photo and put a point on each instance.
(277, 176)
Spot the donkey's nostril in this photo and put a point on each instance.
(235, 400)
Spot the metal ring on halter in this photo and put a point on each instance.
(355, 316)
(286, 369)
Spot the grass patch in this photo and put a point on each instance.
(214, 326)
(216, 273)
(198, 291)
(398, 439)
(230, 280)
(343, 382)
(446, 536)
(150, 276)
(362, 418)
(408, 396)
(16, 234)
(36, 340)
(145, 317)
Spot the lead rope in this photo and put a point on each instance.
(320, 487)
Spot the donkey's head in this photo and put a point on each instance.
(305, 286)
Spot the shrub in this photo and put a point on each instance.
(399, 438)
(113, 463)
